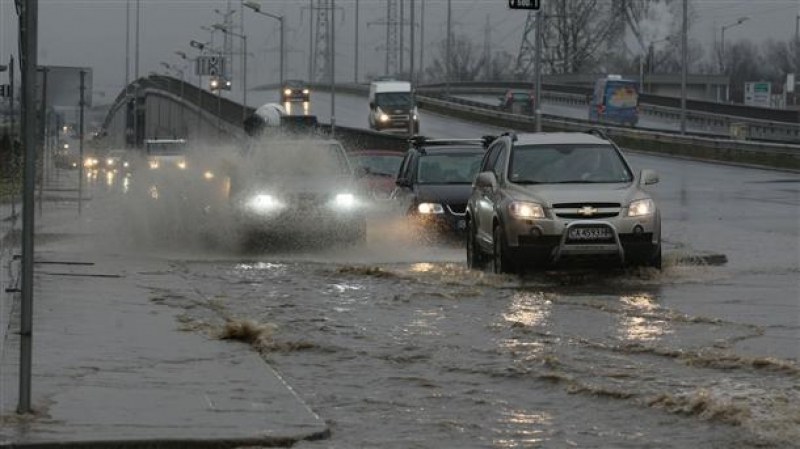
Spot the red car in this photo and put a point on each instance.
(377, 170)
(518, 102)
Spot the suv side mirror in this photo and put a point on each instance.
(403, 182)
(485, 179)
(372, 105)
(648, 177)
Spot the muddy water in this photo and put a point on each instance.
(397, 345)
(432, 355)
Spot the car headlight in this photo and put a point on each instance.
(264, 203)
(430, 208)
(208, 175)
(125, 164)
(345, 201)
(305, 91)
(181, 165)
(154, 164)
(384, 118)
(109, 161)
(640, 208)
(520, 209)
(287, 92)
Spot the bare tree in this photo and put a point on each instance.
(501, 66)
(464, 64)
(575, 34)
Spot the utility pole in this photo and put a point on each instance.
(82, 104)
(684, 63)
(355, 64)
(310, 42)
(136, 86)
(29, 12)
(447, 61)
(412, 73)
(422, 41)
(402, 46)
(43, 137)
(13, 132)
(391, 63)
(332, 65)
(487, 49)
(540, 18)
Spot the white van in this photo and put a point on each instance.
(390, 106)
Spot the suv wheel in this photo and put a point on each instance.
(501, 260)
(475, 258)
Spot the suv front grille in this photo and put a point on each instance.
(586, 210)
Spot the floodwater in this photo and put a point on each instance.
(397, 345)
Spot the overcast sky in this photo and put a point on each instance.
(92, 32)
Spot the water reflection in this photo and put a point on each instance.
(634, 327)
(424, 323)
(529, 309)
(522, 429)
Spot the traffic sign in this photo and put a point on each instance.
(210, 66)
(5, 90)
(524, 4)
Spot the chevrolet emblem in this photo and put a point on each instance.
(587, 211)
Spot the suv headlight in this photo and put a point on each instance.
(264, 203)
(520, 209)
(640, 208)
(345, 201)
(430, 208)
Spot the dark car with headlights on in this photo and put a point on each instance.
(546, 197)
(435, 182)
(298, 189)
(295, 91)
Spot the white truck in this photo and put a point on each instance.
(391, 107)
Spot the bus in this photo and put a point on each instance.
(615, 100)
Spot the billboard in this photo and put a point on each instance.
(758, 94)
(64, 86)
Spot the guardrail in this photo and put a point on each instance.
(694, 145)
(716, 124)
(712, 107)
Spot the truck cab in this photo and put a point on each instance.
(391, 106)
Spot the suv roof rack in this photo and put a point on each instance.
(510, 134)
(421, 141)
(599, 132)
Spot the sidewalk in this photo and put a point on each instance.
(111, 368)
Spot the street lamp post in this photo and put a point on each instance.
(257, 8)
(722, 50)
(244, 68)
(722, 41)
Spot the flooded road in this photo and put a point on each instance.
(396, 344)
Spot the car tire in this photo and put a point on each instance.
(655, 261)
(476, 260)
(501, 260)
(651, 259)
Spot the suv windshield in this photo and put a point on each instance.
(393, 100)
(560, 164)
(300, 158)
(451, 168)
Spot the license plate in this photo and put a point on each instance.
(589, 234)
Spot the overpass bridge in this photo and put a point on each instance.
(169, 108)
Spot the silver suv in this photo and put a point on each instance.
(542, 198)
